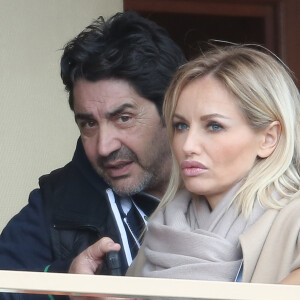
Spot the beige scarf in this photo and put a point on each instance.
(187, 240)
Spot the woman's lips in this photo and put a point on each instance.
(192, 168)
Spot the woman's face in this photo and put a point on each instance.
(213, 143)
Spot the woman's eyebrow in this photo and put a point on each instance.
(210, 116)
(203, 118)
(178, 116)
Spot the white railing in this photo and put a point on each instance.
(150, 288)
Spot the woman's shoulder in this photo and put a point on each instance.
(291, 205)
(290, 213)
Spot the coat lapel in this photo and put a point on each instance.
(252, 242)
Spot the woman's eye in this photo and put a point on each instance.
(213, 126)
(180, 126)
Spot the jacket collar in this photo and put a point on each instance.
(82, 200)
(79, 194)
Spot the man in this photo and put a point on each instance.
(116, 73)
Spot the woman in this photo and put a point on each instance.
(232, 208)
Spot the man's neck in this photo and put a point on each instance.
(157, 193)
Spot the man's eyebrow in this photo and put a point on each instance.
(82, 116)
(119, 110)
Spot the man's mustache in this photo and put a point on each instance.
(121, 154)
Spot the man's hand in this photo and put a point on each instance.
(90, 261)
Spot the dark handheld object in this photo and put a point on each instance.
(113, 263)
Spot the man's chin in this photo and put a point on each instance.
(127, 186)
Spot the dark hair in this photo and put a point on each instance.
(126, 46)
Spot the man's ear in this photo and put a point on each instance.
(270, 138)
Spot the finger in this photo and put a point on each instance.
(101, 247)
(91, 259)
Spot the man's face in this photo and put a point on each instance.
(123, 136)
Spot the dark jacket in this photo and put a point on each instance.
(69, 212)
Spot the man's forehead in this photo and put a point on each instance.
(107, 105)
(108, 95)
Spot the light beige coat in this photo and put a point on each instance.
(271, 247)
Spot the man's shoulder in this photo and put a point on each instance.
(74, 195)
(55, 176)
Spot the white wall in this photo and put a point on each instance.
(37, 130)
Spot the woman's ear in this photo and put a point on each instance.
(270, 138)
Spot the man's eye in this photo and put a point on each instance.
(213, 126)
(124, 119)
(180, 126)
(90, 124)
(87, 124)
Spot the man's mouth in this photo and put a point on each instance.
(118, 168)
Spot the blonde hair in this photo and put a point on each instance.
(265, 92)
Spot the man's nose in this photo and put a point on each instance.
(108, 141)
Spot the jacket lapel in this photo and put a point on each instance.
(252, 242)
